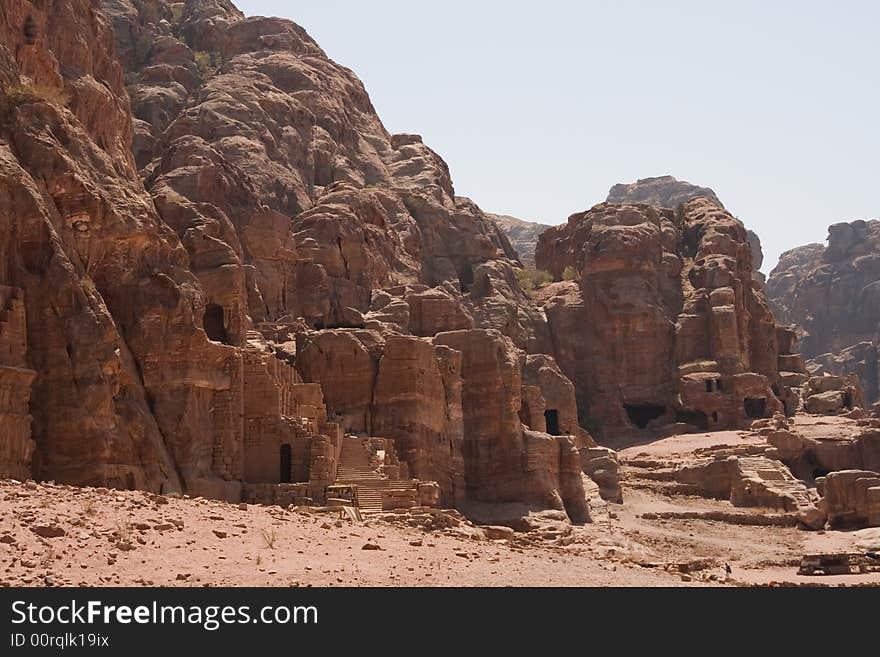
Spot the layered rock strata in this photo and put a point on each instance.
(223, 263)
(831, 295)
(665, 323)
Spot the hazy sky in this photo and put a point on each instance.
(539, 107)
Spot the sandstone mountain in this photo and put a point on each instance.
(665, 323)
(831, 295)
(669, 192)
(222, 275)
(523, 235)
(660, 192)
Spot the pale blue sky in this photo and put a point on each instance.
(539, 107)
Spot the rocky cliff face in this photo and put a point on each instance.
(665, 323)
(669, 192)
(659, 192)
(106, 286)
(523, 235)
(832, 297)
(218, 255)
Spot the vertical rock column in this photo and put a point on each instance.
(16, 445)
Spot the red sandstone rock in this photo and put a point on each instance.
(851, 498)
(160, 325)
(665, 322)
(830, 294)
(667, 192)
(523, 235)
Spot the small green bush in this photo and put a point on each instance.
(19, 94)
(531, 279)
(207, 63)
(569, 273)
(176, 13)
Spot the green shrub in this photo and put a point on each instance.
(176, 13)
(18, 94)
(531, 279)
(207, 63)
(569, 273)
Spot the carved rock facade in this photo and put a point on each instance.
(665, 324)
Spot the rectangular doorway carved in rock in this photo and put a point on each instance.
(551, 417)
(214, 324)
(286, 462)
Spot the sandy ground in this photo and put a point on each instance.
(759, 555)
(263, 546)
(52, 535)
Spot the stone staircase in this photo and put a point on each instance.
(354, 468)
(354, 462)
(767, 482)
(743, 480)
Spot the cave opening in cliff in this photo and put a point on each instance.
(708, 385)
(30, 31)
(642, 415)
(286, 463)
(465, 277)
(551, 417)
(214, 325)
(755, 407)
(696, 419)
(848, 400)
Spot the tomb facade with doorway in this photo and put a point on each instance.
(665, 327)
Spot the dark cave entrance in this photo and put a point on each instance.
(755, 407)
(641, 415)
(848, 400)
(696, 419)
(551, 416)
(30, 31)
(214, 325)
(465, 277)
(286, 463)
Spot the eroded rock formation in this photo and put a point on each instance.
(669, 192)
(659, 192)
(523, 235)
(226, 263)
(832, 297)
(665, 323)
(16, 445)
